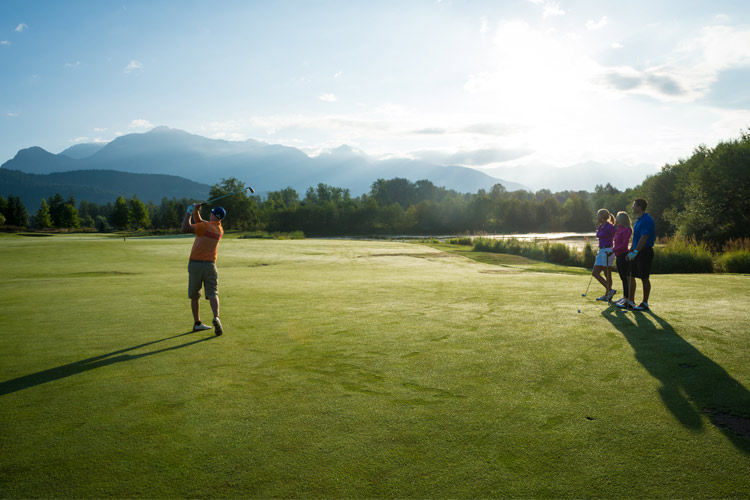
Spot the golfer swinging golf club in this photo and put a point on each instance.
(202, 271)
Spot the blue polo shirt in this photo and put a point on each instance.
(644, 225)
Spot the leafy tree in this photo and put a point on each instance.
(138, 214)
(712, 201)
(611, 198)
(3, 208)
(56, 204)
(2, 219)
(579, 216)
(70, 217)
(16, 214)
(397, 190)
(101, 224)
(42, 219)
(87, 211)
(86, 221)
(120, 218)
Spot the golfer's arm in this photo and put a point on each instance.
(186, 226)
(642, 242)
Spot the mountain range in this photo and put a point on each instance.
(190, 163)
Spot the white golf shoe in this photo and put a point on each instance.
(199, 327)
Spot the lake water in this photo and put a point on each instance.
(574, 240)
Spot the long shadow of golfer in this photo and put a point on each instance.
(692, 383)
(39, 378)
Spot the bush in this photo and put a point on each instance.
(559, 253)
(294, 235)
(589, 256)
(736, 261)
(681, 255)
(464, 240)
(671, 255)
(737, 244)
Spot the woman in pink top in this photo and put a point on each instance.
(605, 258)
(622, 242)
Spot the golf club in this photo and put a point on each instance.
(228, 194)
(630, 284)
(608, 275)
(587, 288)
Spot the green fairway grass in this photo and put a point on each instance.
(362, 369)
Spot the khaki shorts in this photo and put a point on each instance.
(202, 275)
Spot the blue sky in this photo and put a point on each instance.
(478, 83)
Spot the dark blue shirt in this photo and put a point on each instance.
(644, 225)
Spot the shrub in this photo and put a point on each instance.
(737, 244)
(681, 255)
(559, 253)
(294, 235)
(735, 261)
(589, 256)
(464, 240)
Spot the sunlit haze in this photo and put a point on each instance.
(475, 83)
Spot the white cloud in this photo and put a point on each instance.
(21, 27)
(553, 9)
(483, 28)
(133, 65)
(141, 124)
(337, 75)
(327, 97)
(4, 42)
(100, 129)
(596, 25)
(616, 45)
(689, 71)
(81, 140)
(74, 65)
(12, 115)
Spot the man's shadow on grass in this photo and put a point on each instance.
(39, 378)
(692, 383)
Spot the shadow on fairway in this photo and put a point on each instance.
(692, 384)
(39, 378)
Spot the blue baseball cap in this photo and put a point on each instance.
(219, 212)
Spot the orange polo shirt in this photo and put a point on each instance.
(206, 244)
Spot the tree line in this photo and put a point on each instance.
(704, 197)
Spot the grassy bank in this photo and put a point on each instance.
(672, 255)
(361, 369)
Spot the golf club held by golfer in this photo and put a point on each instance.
(191, 207)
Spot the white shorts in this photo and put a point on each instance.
(604, 260)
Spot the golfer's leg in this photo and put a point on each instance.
(609, 278)
(195, 305)
(632, 290)
(646, 289)
(598, 276)
(214, 301)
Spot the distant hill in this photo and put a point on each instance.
(266, 167)
(81, 151)
(97, 186)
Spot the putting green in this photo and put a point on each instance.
(361, 369)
